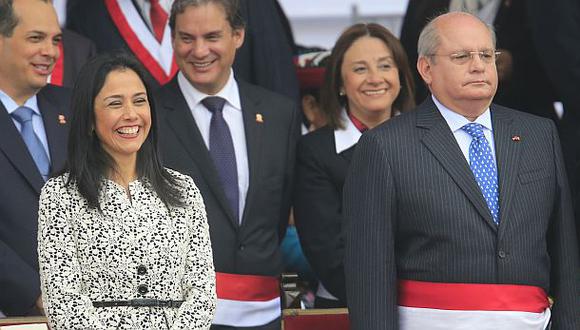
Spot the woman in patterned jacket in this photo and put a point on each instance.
(123, 243)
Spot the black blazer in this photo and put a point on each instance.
(528, 89)
(253, 246)
(414, 211)
(19, 192)
(77, 51)
(320, 175)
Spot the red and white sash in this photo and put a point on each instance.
(156, 58)
(431, 305)
(246, 300)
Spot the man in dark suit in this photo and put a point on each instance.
(31, 148)
(237, 141)
(459, 213)
(523, 83)
(556, 35)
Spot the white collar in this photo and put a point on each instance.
(11, 105)
(456, 121)
(346, 137)
(193, 96)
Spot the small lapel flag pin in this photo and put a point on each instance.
(61, 119)
(516, 138)
(259, 118)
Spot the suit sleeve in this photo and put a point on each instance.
(66, 307)
(563, 250)
(370, 210)
(199, 281)
(293, 135)
(18, 283)
(318, 216)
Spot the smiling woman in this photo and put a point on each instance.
(367, 81)
(116, 229)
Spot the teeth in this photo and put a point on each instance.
(128, 130)
(379, 92)
(202, 64)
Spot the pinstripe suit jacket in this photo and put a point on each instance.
(414, 211)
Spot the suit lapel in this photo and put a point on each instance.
(442, 144)
(181, 121)
(507, 155)
(56, 130)
(15, 149)
(255, 117)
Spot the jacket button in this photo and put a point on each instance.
(143, 289)
(141, 270)
(241, 247)
(502, 254)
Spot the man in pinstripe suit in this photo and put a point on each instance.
(426, 249)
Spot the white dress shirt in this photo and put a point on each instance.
(233, 116)
(37, 123)
(455, 121)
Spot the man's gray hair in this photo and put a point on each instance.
(429, 39)
(8, 18)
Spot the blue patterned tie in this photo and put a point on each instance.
(221, 149)
(24, 116)
(483, 167)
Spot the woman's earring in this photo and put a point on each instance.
(341, 93)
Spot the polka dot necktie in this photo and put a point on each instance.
(221, 150)
(483, 167)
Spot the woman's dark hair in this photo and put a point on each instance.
(332, 102)
(87, 162)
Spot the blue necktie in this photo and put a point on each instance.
(221, 150)
(24, 116)
(483, 167)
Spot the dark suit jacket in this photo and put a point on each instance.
(320, 175)
(265, 58)
(253, 247)
(556, 32)
(77, 51)
(19, 192)
(528, 89)
(414, 211)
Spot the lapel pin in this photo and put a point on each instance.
(516, 138)
(259, 118)
(61, 119)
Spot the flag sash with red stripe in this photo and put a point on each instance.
(472, 296)
(247, 287)
(150, 60)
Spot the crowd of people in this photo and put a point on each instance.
(164, 161)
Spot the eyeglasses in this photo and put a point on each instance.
(463, 57)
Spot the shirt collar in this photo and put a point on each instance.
(346, 137)
(229, 92)
(457, 121)
(11, 105)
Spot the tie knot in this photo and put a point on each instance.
(214, 103)
(23, 114)
(474, 129)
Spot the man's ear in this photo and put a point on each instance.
(239, 35)
(424, 69)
